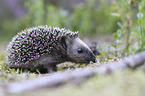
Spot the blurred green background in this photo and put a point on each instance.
(89, 17)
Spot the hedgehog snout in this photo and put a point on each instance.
(93, 59)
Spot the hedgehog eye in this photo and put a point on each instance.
(80, 50)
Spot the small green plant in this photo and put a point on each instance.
(124, 12)
(140, 27)
(125, 37)
(117, 36)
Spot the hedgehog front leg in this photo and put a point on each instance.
(43, 70)
(49, 69)
(52, 68)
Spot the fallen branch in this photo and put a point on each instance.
(75, 76)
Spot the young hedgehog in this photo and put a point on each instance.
(44, 47)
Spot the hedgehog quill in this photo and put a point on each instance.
(44, 47)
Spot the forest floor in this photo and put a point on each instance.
(125, 82)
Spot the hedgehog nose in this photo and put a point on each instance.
(94, 60)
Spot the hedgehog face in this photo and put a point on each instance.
(78, 51)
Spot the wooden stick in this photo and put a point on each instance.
(75, 76)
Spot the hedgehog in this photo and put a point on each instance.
(42, 48)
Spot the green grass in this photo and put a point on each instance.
(10, 75)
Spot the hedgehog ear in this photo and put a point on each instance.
(63, 42)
